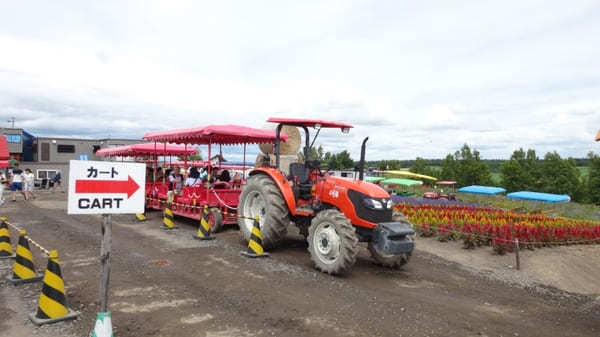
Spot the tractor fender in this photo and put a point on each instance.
(282, 183)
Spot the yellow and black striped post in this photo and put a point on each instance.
(52, 306)
(168, 218)
(204, 227)
(23, 268)
(6, 251)
(255, 248)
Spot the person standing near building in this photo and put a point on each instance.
(16, 183)
(28, 182)
(56, 180)
(3, 181)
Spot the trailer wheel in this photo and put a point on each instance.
(332, 242)
(215, 219)
(262, 198)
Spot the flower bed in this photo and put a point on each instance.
(478, 226)
(423, 201)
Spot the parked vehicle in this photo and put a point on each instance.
(449, 194)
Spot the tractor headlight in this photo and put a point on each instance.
(389, 204)
(372, 204)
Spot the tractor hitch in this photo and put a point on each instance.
(393, 238)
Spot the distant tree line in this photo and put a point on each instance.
(523, 171)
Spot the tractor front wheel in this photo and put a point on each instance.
(332, 242)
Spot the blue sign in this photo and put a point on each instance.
(83, 157)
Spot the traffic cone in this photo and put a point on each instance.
(52, 306)
(204, 227)
(255, 248)
(23, 268)
(140, 217)
(168, 219)
(5, 246)
(103, 327)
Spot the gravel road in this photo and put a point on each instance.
(168, 284)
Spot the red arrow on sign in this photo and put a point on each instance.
(128, 186)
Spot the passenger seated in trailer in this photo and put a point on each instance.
(159, 174)
(237, 180)
(203, 173)
(149, 174)
(225, 176)
(175, 180)
(193, 179)
(214, 175)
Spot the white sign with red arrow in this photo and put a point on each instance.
(102, 187)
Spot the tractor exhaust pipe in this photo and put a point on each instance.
(361, 164)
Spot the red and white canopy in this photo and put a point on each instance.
(146, 149)
(202, 163)
(215, 134)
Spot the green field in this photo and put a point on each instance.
(497, 176)
(583, 170)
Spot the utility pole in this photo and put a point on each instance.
(12, 120)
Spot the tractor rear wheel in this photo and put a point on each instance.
(332, 242)
(262, 198)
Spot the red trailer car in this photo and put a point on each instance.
(222, 198)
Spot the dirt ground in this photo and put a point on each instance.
(168, 284)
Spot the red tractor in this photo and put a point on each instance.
(333, 213)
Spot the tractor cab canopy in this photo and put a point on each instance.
(310, 123)
(146, 149)
(304, 124)
(215, 134)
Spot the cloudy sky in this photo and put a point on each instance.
(420, 78)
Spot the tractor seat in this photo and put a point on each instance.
(300, 171)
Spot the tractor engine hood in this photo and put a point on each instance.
(363, 187)
(365, 204)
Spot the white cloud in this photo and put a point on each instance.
(418, 78)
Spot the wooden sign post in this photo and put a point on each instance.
(105, 260)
